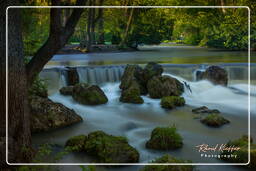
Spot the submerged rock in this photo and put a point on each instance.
(168, 159)
(106, 148)
(171, 102)
(73, 77)
(132, 94)
(214, 120)
(89, 94)
(68, 90)
(204, 110)
(46, 114)
(242, 153)
(160, 86)
(164, 138)
(216, 75)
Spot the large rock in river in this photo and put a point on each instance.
(73, 77)
(46, 114)
(216, 75)
(161, 86)
(106, 148)
(132, 94)
(89, 94)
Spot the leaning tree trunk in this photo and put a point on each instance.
(19, 136)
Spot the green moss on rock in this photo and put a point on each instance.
(242, 153)
(132, 94)
(89, 95)
(110, 149)
(214, 120)
(76, 143)
(106, 148)
(164, 138)
(170, 102)
(161, 86)
(168, 159)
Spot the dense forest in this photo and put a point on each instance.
(225, 28)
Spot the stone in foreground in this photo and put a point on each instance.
(214, 120)
(164, 138)
(171, 102)
(106, 148)
(242, 153)
(47, 115)
(168, 159)
(161, 86)
(89, 94)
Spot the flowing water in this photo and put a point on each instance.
(137, 121)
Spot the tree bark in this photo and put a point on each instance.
(101, 24)
(128, 26)
(57, 39)
(19, 136)
(89, 23)
(3, 6)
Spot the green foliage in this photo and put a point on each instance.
(165, 138)
(172, 101)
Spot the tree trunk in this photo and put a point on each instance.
(128, 26)
(3, 6)
(89, 22)
(101, 24)
(19, 136)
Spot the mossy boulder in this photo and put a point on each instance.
(171, 102)
(47, 115)
(128, 76)
(89, 94)
(216, 75)
(214, 120)
(132, 94)
(106, 148)
(168, 159)
(164, 138)
(242, 153)
(160, 86)
(68, 90)
(76, 143)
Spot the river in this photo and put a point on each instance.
(137, 121)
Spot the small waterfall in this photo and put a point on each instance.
(100, 74)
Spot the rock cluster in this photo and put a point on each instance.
(137, 81)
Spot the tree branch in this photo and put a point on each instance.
(57, 39)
